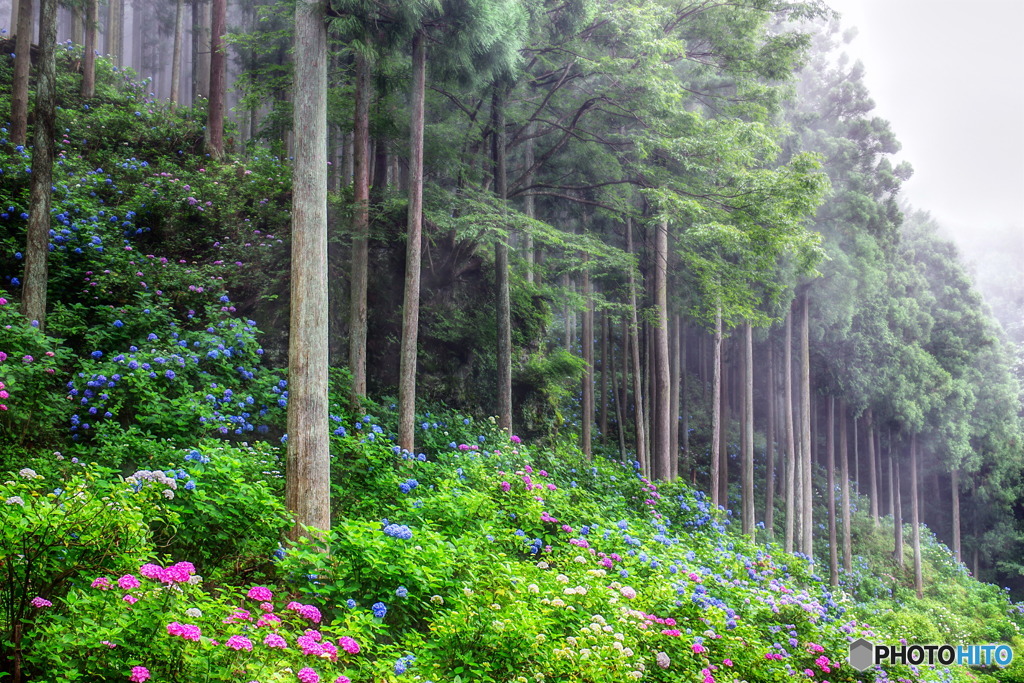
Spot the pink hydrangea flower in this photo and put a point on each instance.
(628, 592)
(261, 594)
(349, 645)
(239, 643)
(186, 631)
(309, 646)
(128, 582)
(342, 679)
(274, 640)
(102, 582)
(307, 675)
(41, 602)
(152, 571)
(698, 648)
(140, 674)
(130, 599)
(309, 612)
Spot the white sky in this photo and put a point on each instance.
(949, 77)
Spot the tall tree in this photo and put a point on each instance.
(115, 31)
(788, 424)
(747, 473)
(503, 311)
(413, 248)
(360, 228)
(179, 32)
(43, 148)
(22, 68)
(807, 535)
(844, 481)
(218, 80)
(661, 439)
(307, 485)
(89, 57)
(830, 465)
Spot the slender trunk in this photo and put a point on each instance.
(844, 478)
(716, 407)
(898, 514)
(723, 436)
(892, 484)
(620, 398)
(954, 477)
(790, 436)
(769, 489)
(567, 314)
(634, 332)
(528, 205)
(22, 69)
(201, 19)
(856, 458)
(587, 344)
(805, 401)
(89, 56)
(308, 467)
(218, 81)
(660, 366)
(748, 433)
(347, 167)
(43, 149)
(915, 517)
(684, 404)
(830, 466)
(360, 231)
(501, 274)
(673, 399)
(602, 421)
(411, 304)
(15, 6)
(179, 31)
(872, 473)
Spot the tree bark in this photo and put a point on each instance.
(179, 31)
(954, 477)
(915, 517)
(790, 436)
(770, 404)
(411, 305)
(218, 82)
(748, 432)
(529, 208)
(43, 150)
(22, 70)
(844, 478)
(308, 475)
(897, 513)
(620, 411)
(634, 331)
(872, 470)
(673, 398)
(830, 465)
(723, 433)
(805, 401)
(201, 20)
(501, 280)
(660, 368)
(716, 407)
(602, 421)
(89, 56)
(587, 344)
(360, 231)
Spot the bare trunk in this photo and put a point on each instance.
(528, 206)
(684, 401)
(308, 471)
(805, 409)
(346, 159)
(218, 82)
(89, 57)
(660, 369)
(954, 477)
(790, 436)
(634, 330)
(898, 514)
(201, 20)
(620, 412)
(872, 470)
(43, 149)
(501, 277)
(716, 407)
(723, 436)
(769, 489)
(748, 432)
(22, 69)
(915, 517)
(360, 232)
(179, 31)
(830, 465)
(587, 393)
(673, 398)
(602, 421)
(411, 304)
(844, 477)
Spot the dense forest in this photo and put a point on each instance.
(561, 290)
